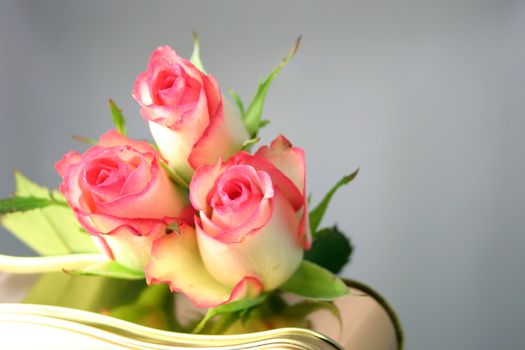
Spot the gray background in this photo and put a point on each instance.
(427, 97)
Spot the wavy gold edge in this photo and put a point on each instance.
(125, 333)
(104, 327)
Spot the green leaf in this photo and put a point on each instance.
(314, 282)
(118, 117)
(21, 204)
(317, 214)
(235, 306)
(51, 230)
(331, 249)
(96, 294)
(252, 117)
(196, 54)
(238, 101)
(108, 269)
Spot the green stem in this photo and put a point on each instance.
(209, 315)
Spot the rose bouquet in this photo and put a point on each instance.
(198, 210)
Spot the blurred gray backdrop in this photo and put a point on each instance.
(427, 97)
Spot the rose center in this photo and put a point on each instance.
(102, 176)
(168, 82)
(233, 190)
(101, 172)
(231, 194)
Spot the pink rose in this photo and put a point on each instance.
(251, 228)
(121, 195)
(186, 115)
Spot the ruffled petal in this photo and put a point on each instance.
(273, 252)
(223, 137)
(107, 225)
(128, 249)
(141, 92)
(202, 183)
(113, 138)
(289, 160)
(175, 260)
(260, 217)
(213, 93)
(279, 179)
(176, 140)
(164, 52)
(70, 158)
(164, 56)
(237, 194)
(159, 198)
(73, 189)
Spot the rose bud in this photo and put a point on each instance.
(251, 228)
(122, 196)
(186, 114)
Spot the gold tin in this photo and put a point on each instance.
(368, 323)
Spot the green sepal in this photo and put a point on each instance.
(118, 118)
(236, 306)
(331, 249)
(87, 140)
(311, 281)
(238, 101)
(196, 54)
(110, 269)
(50, 230)
(252, 117)
(175, 178)
(316, 215)
(21, 204)
(247, 145)
(263, 123)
